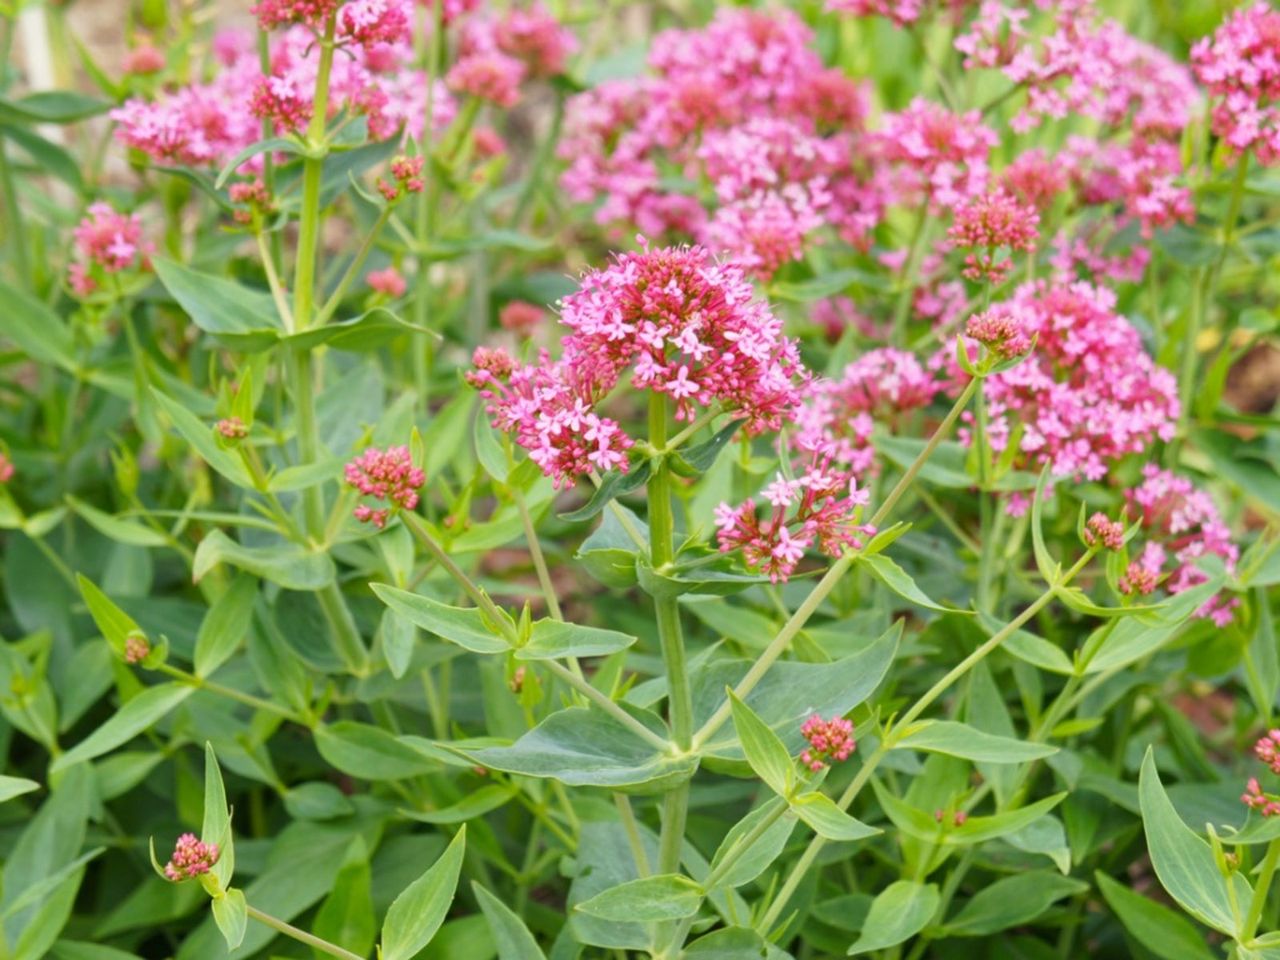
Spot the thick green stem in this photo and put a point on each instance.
(667, 610)
(311, 940)
(1265, 874)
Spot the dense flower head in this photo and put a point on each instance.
(387, 475)
(231, 428)
(1181, 524)
(388, 282)
(686, 325)
(191, 858)
(1088, 394)
(1035, 178)
(1102, 531)
(904, 13)
(1141, 177)
(491, 76)
(143, 60)
(206, 124)
(550, 409)
(1085, 67)
(532, 35)
(406, 177)
(937, 155)
(818, 508)
(373, 22)
(136, 649)
(108, 242)
(988, 223)
(1240, 66)
(279, 13)
(1002, 329)
(1267, 749)
(1255, 799)
(829, 741)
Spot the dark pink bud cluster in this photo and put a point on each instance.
(387, 475)
(1101, 529)
(829, 741)
(254, 196)
(136, 648)
(284, 101)
(279, 13)
(521, 318)
(530, 34)
(1267, 750)
(1181, 524)
(1035, 179)
(1240, 65)
(371, 23)
(406, 174)
(232, 428)
(191, 858)
(143, 60)
(956, 819)
(819, 508)
(108, 242)
(388, 282)
(1001, 330)
(990, 222)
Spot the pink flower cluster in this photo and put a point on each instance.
(819, 508)
(991, 222)
(1240, 65)
(1254, 797)
(902, 12)
(208, 123)
(530, 35)
(1141, 177)
(829, 740)
(744, 105)
(1001, 329)
(1180, 524)
(938, 156)
(388, 282)
(406, 177)
(1101, 529)
(1084, 67)
(1088, 394)
(387, 475)
(191, 857)
(839, 416)
(108, 242)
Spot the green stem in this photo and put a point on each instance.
(1265, 874)
(833, 576)
(17, 234)
(312, 176)
(915, 253)
(810, 854)
(424, 536)
(634, 840)
(311, 940)
(191, 680)
(335, 299)
(667, 611)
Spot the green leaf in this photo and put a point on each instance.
(398, 636)
(921, 825)
(369, 331)
(236, 316)
(347, 916)
(510, 935)
(488, 450)
(226, 625)
(216, 827)
(583, 747)
(614, 485)
(1137, 636)
(200, 436)
(288, 565)
(961, 740)
(701, 457)
(132, 532)
(1048, 567)
(35, 329)
(1011, 901)
(1029, 647)
(1164, 932)
(944, 468)
(475, 803)
(11, 787)
(827, 820)
(370, 753)
(1262, 666)
(765, 753)
(1183, 862)
(897, 914)
(138, 714)
(113, 623)
(231, 914)
(897, 580)
(52, 106)
(461, 625)
(415, 916)
(48, 919)
(753, 861)
(734, 943)
(667, 896)
(272, 145)
(824, 285)
(555, 640)
(46, 155)
(609, 554)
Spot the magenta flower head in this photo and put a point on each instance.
(1101, 529)
(191, 858)
(829, 741)
(1240, 64)
(387, 475)
(108, 242)
(1267, 750)
(388, 282)
(491, 76)
(988, 223)
(1001, 330)
(279, 13)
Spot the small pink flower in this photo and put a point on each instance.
(387, 282)
(191, 858)
(829, 741)
(387, 475)
(990, 222)
(1000, 330)
(143, 60)
(232, 428)
(521, 318)
(493, 76)
(283, 101)
(1254, 798)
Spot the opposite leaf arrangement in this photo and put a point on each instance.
(840, 564)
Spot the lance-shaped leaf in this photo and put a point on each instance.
(231, 914)
(414, 917)
(217, 820)
(465, 626)
(899, 912)
(900, 582)
(113, 623)
(969, 743)
(510, 936)
(764, 751)
(237, 316)
(667, 896)
(555, 640)
(827, 820)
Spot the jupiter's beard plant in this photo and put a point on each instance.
(554, 480)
